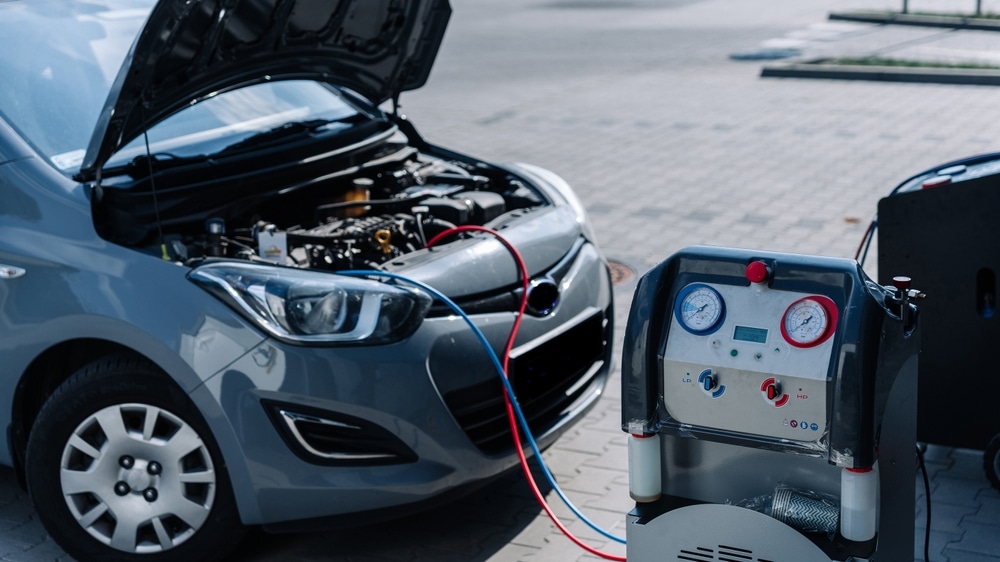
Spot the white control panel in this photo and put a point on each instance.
(749, 359)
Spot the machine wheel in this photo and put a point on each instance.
(991, 461)
(121, 466)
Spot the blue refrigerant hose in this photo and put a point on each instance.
(507, 388)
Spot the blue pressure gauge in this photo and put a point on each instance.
(700, 309)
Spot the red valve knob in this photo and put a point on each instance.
(773, 391)
(758, 272)
(901, 282)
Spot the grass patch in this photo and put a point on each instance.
(983, 16)
(880, 61)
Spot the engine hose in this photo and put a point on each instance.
(514, 412)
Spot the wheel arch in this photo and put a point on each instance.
(57, 363)
(43, 375)
(136, 389)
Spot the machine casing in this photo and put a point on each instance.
(946, 238)
(848, 402)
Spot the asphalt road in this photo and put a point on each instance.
(670, 143)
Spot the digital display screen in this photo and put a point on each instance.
(752, 335)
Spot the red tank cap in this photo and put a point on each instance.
(901, 282)
(758, 272)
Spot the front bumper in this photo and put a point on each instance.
(428, 411)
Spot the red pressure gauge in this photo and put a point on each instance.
(809, 321)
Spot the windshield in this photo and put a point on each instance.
(58, 60)
(224, 121)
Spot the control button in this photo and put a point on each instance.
(793, 423)
(814, 426)
(758, 356)
(758, 272)
(733, 353)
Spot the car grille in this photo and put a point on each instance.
(547, 379)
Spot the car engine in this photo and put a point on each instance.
(360, 221)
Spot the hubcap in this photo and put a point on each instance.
(137, 478)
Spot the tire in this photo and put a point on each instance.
(121, 466)
(991, 461)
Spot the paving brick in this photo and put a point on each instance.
(12, 549)
(956, 555)
(945, 517)
(516, 552)
(48, 550)
(957, 491)
(939, 541)
(967, 464)
(565, 462)
(594, 480)
(978, 539)
(989, 509)
(9, 490)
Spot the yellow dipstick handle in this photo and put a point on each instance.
(382, 236)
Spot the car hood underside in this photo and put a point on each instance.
(188, 51)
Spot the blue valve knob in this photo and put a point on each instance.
(709, 383)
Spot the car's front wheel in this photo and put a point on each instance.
(121, 466)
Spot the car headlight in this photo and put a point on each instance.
(312, 307)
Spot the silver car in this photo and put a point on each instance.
(182, 185)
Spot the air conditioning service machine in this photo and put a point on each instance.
(770, 401)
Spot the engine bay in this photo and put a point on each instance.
(381, 210)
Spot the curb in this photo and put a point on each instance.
(929, 75)
(897, 18)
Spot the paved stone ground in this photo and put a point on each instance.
(669, 143)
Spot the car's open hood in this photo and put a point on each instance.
(188, 50)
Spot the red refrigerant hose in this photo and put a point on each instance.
(510, 409)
